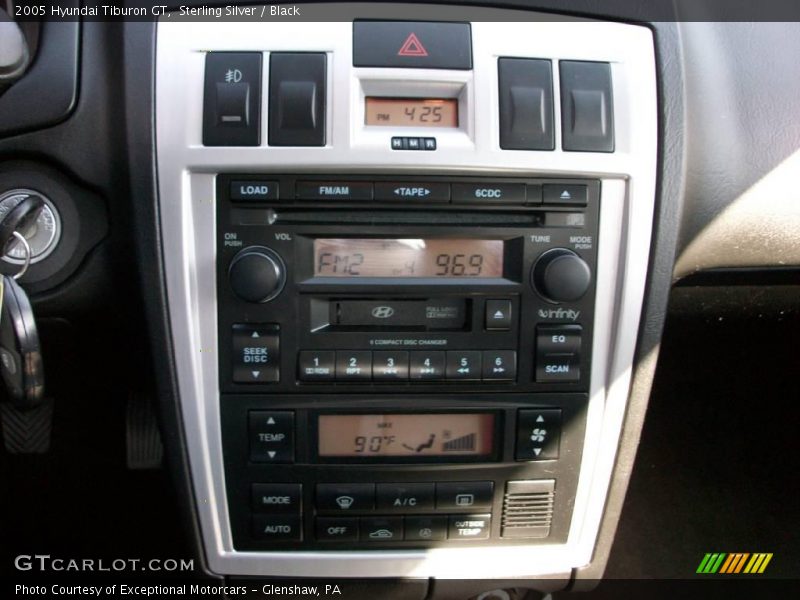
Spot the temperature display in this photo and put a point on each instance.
(412, 112)
(408, 258)
(405, 435)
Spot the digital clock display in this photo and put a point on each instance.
(406, 435)
(412, 112)
(436, 258)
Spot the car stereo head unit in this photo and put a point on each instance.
(473, 310)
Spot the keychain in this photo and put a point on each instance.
(20, 354)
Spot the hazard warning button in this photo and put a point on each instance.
(410, 44)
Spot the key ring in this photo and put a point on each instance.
(27, 248)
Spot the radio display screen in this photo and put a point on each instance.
(436, 258)
(406, 435)
(411, 112)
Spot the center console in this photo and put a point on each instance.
(405, 264)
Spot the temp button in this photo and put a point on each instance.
(271, 436)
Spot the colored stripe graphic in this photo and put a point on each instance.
(758, 563)
(734, 563)
(711, 562)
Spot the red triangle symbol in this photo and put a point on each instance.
(412, 47)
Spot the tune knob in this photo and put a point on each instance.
(560, 275)
(257, 274)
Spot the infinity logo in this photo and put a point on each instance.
(382, 312)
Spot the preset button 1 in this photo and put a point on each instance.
(316, 365)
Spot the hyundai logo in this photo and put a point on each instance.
(382, 312)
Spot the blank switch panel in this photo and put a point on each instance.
(297, 93)
(526, 104)
(587, 107)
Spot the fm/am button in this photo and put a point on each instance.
(334, 190)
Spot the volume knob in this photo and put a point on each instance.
(560, 275)
(257, 274)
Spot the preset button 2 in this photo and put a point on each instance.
(353, 366)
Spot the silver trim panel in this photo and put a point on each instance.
(187, 171)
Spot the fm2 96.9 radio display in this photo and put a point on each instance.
(406, 435)
(412, 112)
(436, 258)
